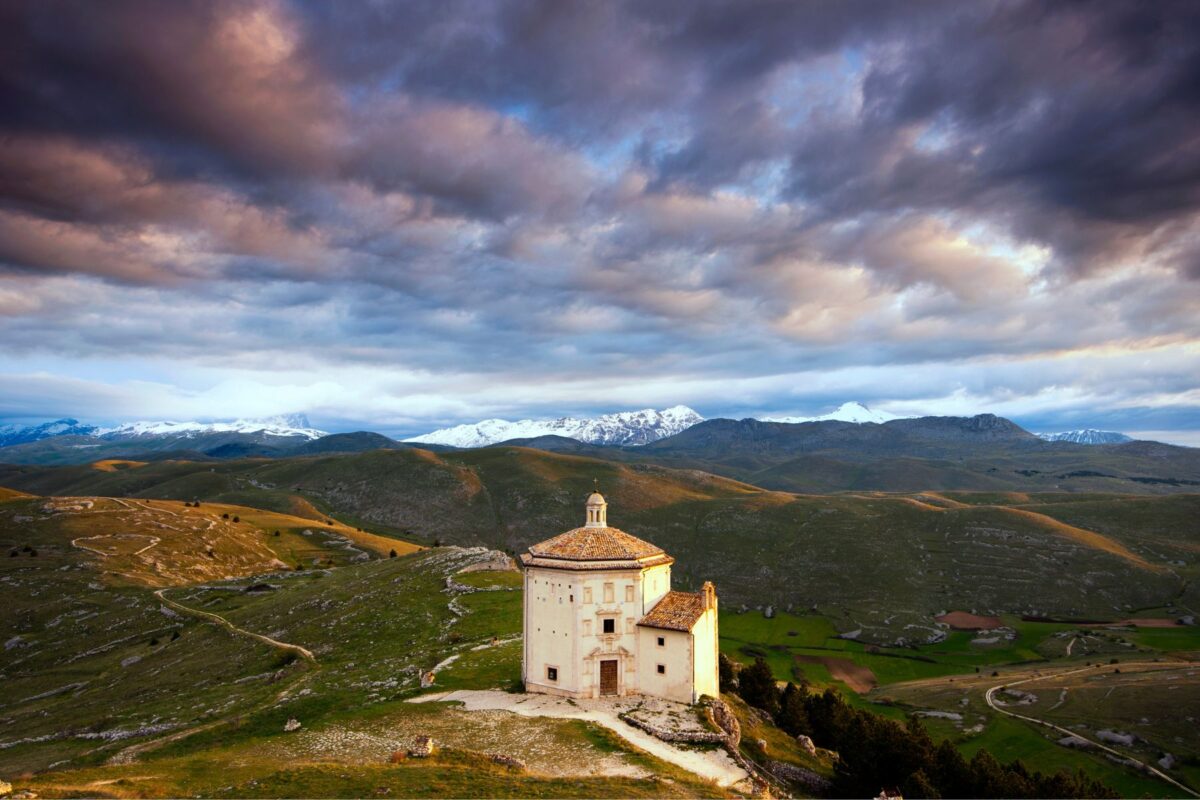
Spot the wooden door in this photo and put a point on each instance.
(608, 677)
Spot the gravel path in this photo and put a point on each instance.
(988, 698)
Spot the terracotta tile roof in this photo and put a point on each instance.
(676, 611)
(595, 544)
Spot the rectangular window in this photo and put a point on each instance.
(587, 594)
(552, 673)
(587, 627)
(662, 641)
(662, 669)
(610, 625)
(629, 628)
(608, 593)
(629, 593)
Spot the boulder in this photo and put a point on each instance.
(292, 724)
(806, 744)
(423, 747)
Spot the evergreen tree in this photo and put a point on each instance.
(756, 685)
(793, 714)
(725, 671)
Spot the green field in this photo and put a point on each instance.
(1157, 695)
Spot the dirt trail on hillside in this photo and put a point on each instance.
(1090, 538)
(130, 754)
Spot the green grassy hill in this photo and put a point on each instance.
(912, 556)
(112, 690)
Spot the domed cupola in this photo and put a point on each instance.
(597, 511)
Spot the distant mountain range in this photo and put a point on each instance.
(625, 428)
(285, 426)
(673, 435)
(1086, 436)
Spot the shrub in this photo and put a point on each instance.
(224, 516)
(174, 634)
(154, 642)
(237, 519)
(276, 533)
(392, 554)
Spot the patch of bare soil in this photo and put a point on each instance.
(856, 676)
(962, 621)
(542, 744)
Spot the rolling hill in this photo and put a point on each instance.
(914, 555)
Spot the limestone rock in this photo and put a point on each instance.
(5, 788)
(806, 744)
(423, 747)
(292, 724)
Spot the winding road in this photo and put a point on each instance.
(989, 698)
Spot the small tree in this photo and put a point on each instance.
(237, 519)
(276, 533)
(726, 673)
(392, 554)
(225, 516)
(756, 685)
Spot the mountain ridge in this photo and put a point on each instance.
(1086, 436)
(628, 428)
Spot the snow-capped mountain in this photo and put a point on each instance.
(20, 434)
(625, 428)
(846, 412)
(1087, 436)
(285, 425)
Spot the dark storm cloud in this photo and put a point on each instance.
(671, 188)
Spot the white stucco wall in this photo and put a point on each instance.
(705, 662)
(675, 656)
(564, 627)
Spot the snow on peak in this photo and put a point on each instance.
(20, 434)
(283, 425)
(853, 411)
(624, 428)
(1086, 436)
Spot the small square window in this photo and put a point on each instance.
(610, 625)
(662, 641)
(552, 673)
(662, 669)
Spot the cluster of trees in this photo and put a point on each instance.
(879, 753)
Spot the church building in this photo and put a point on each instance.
(601, 618)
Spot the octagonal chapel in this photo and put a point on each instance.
(601, 618)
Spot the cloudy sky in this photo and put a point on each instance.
(401, 216)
